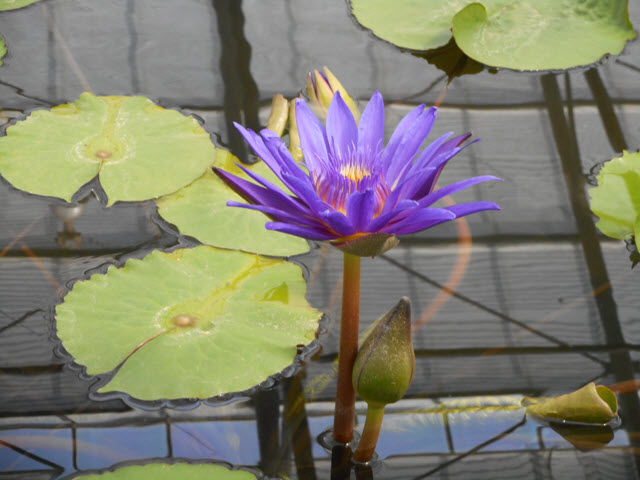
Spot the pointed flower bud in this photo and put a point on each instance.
(322, 86)
(590, 404)
(279, 114)
(385, 364)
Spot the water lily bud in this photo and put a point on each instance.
(322, 86)
(589, 404)
(279, 114)
(386, 362)
(294, 136)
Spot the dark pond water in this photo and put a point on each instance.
(544, 304)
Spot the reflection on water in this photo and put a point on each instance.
(545, 304)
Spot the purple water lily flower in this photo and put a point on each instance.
(355, 192)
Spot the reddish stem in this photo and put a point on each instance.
(349, 329)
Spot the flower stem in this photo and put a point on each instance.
(349, 329)
(370, 434)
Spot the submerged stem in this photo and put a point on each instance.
(370, 434)
(349, 328)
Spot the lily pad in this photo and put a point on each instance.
(138, 149)
(166, 471)
(3, 49)
(590, 404)
(194, 323)
(13, 4)
(542, 34)
(616, 199)
(519, 34)
(200, 210)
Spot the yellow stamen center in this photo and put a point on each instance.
(354, 172)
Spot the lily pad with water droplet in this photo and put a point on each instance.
(616, 199)
(200, 210)
(138, 149)
(542, 34)
(166, 471)
(13, 4)
(194, 323)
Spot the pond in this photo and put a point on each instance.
(530, 301)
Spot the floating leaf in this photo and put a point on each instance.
(3, 49)
(138, 149)
(166, 471)
(194, 323)
(542, 35)
(13, 4)
(616, 199)
(200, 210)
(590, 404)
(414, 24)
(524, 35)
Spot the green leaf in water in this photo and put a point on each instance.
(194, 323)
(13, 4)
(518, 34)
(165, 471)
(138, 149)
(200, 210)
(590, 404)
(616, 199)
(542, 34)
(3, 49)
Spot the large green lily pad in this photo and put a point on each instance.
(543, 34)
(519, 34)
(616, 199)
(166, 471)
(195, 323)
(13, 4)
(200, 210)
(138, 149)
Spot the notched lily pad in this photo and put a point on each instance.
(591, 404)
(616, 199)
(194, 323)
(138, 149)
(518, 34)
(200, 210)
(13, 4)
(542, 34)
(166, 471)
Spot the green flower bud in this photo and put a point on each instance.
(321, 87)
(589, 404)
(386, 362)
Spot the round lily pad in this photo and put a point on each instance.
(616, 199)
(519, 34)
(138, 149)
(166, 471)
(542, 34)
(13, 4)
(194, 323)
(200, 210)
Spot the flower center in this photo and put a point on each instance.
(354, 172)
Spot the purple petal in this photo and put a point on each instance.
(399, 134)
(283, 156)
(464, 209)
(339, 223)
(420, 220)
(371, 129)
(342, 130)
(360, 207)
(427, 154)
(415, 136)
(313, 139)
(304, 232)
(379, 222)
(305, 192)
(256, 194)
(453, 188)
(257, 144)
(279, 215)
